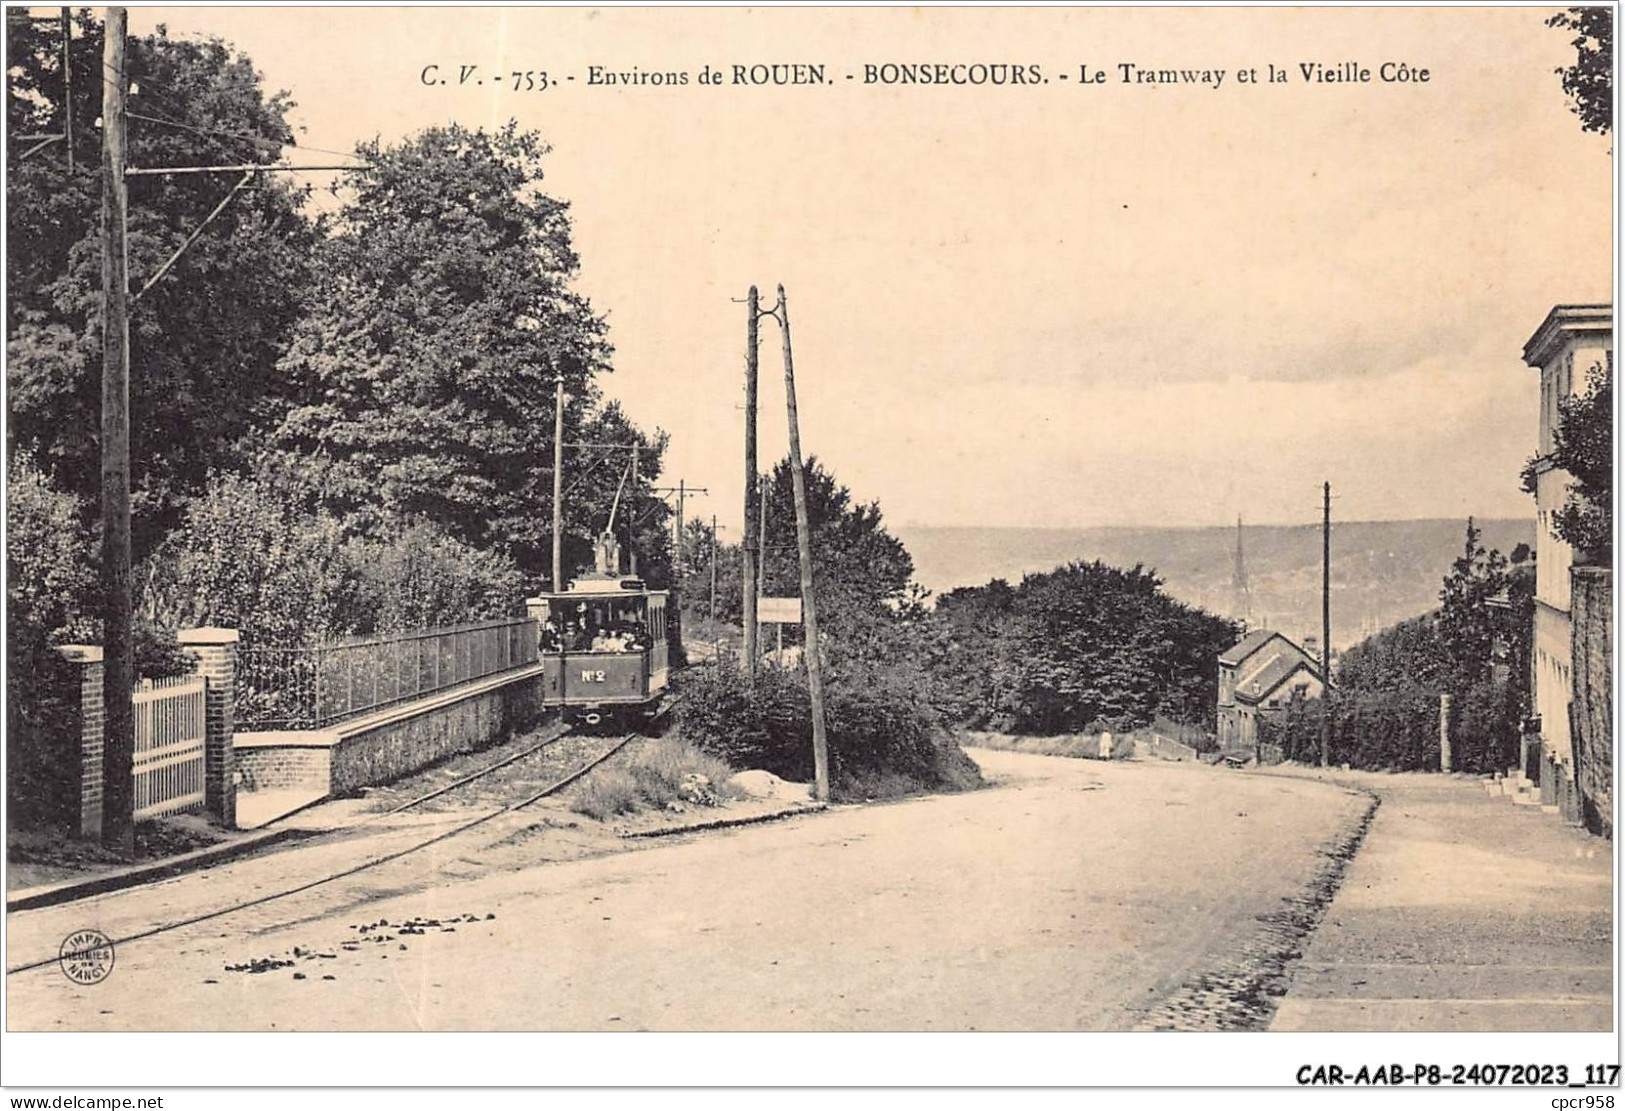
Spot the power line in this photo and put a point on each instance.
(277, 144)
(175, 101)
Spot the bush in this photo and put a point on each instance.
(884, 738)
(42, 734)
(50, 581)
(1065, 650)
(255, 553)
(423, 579)
(50, 568)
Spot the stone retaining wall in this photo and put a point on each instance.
(1591, 708)
(396, 742)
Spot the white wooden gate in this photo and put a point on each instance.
(169, 743)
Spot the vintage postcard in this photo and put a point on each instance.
(530, 521)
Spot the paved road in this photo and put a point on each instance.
(1461, 912)
(1075, 895)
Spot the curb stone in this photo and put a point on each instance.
(67, 891)
(726, 823)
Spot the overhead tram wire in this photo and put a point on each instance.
(180, 103)
(255, 139)
(175, 102)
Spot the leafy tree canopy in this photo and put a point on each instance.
(1082, 645)
(204, 342)
(1589, 81)
(861, 572)
(1583, 445)
(425, 368)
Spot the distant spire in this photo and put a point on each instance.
(1242, 593)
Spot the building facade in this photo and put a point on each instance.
(1256, 677)
(1571, 340)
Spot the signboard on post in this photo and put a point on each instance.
(779, 611)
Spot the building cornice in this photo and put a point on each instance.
(1562, 323)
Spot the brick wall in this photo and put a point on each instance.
(1592, 706)
(283, 767)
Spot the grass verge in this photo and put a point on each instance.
(650, 775)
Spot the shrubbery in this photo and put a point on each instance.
(256, 553)
(1398, 730)
(884, 737)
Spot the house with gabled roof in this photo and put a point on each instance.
(1257, 676)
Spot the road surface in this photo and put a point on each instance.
(1072, 895)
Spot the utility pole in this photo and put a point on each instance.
(558, 479)
(631, 517)
(677, 547)
(809, 610)
(67, 85)
(716, 643)
(761, 551)
(747, 550)
(1326, 627)
(118, 752)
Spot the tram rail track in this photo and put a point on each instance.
(336, 832)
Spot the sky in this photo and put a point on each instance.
(1054, 304)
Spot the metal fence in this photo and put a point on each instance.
(170, 724)
(308, 688)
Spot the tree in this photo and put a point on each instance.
(1583, 445)
(1469, 625)
(1589, 81)
(1080, 646)
(861, 572)
(204, 342)
(425, 367)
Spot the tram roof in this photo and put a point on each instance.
(597, 586)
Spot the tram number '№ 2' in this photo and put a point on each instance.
(592, 676)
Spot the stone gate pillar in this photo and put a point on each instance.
(88, 659)
(215, 651)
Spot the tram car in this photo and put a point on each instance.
(606, 648)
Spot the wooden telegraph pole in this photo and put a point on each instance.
(67, 84)
(118, 752)
(809, 610)
(631, 514)
(747, 550)
(1326, 627)
(761, 551)
(677, 546)
(558, 479)
(716, 644)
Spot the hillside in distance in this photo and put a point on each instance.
(1382, 571)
